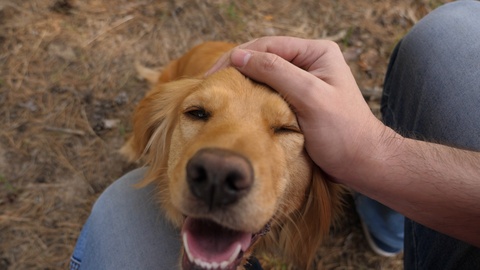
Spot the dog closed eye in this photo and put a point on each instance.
(286, 129)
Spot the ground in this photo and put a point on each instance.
(68, 88)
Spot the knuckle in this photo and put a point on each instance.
(270, 62)
(261, 39)
(334, 48)
(331, 45)
(328, 45)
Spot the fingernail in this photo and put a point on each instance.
(239, 57)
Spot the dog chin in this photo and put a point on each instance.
(208, 245)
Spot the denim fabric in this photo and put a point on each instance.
(127, 230)
(432, 93)
(76, 259)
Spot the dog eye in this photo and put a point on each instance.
(286, 129)
(197, 113)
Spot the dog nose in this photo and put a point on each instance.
(219, 177)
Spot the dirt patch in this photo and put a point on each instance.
(68, 87)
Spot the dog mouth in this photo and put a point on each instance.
(208, 245)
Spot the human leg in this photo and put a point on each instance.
(432, 93)
(127, 230)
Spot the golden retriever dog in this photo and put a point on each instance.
(228, 157)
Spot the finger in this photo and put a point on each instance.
(301, 89)
(289, 48)
(322, 58)
(285, 50)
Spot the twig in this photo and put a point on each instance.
(10, 218)
(65, 130)
(114, 25)
(85, 117)
(27, 63)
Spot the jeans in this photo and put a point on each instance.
(127, 230)
(431, 92)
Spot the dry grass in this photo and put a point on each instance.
(68, 87)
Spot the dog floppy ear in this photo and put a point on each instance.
(307, 229)
(153, 119)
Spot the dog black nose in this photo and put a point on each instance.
(219, 177)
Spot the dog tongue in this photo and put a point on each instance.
(206, 242)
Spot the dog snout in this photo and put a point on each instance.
(219, 177)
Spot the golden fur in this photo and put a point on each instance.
(247, 118)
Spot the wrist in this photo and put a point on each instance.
(382, 153)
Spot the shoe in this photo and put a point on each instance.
(379, 247)
(382, 226)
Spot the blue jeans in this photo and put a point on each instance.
(127, 230)
(432, 92)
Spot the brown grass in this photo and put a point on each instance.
(68, 87)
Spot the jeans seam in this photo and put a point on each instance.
(74, 263)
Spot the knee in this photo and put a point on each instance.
(443, 46)
(433, 74)
(120, 193)
(445, 26)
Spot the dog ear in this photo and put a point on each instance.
(171, 72)
(321, 210)
(153, 120)
(150, 75)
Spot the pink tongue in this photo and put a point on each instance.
(210, 242)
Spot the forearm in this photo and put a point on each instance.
(435, 185)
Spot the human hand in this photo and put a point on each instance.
(341, 133)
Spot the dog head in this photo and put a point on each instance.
(228, 157)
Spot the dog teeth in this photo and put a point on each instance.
(224, 265)
(210, 265)
(187, 250)
(234, 254)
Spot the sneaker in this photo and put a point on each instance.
(383, 227)
(379, 247)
